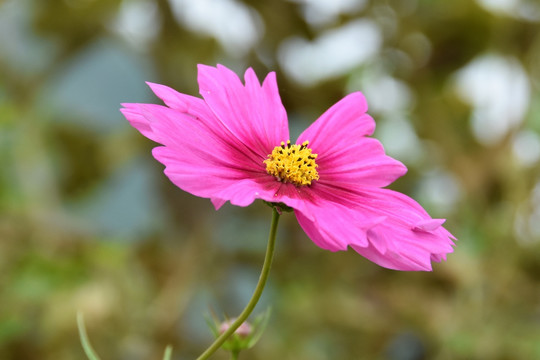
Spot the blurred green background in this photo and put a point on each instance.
(89, 222)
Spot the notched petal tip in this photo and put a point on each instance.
(218, 203)
(134, 113)
(428, 225)
(409, 239)
(205, 68)
(170, 97)
(157, 88)
(251, 78)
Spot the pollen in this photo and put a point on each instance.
(293, 164)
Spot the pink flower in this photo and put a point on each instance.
(232, 145)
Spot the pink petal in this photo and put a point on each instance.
(381, 227)
(346, 158)
(139, 122)
(360, 165)
(239, 191)
(186, 104)
(409, 248)
(428, 225)
(192, 137)
(200, 160)
(199, 110)
(340, 126)
(253, 113)
(175, 99)
(219, 183)
(330, 224)
(205, 155)
(214, 165)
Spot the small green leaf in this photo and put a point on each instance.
(259, 325)
(212, 323)
(88, 350)
(168, 353)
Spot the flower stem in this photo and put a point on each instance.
(256, 294)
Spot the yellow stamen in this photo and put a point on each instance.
(292, 164)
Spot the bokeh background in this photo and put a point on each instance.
(89, 222)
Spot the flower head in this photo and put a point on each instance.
(233, 145)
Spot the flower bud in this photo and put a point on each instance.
(243, 330)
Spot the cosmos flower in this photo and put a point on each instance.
(234, 145)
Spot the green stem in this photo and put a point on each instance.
(234, 355)
(256, 294)
(88, 349)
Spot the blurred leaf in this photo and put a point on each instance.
(88, 350)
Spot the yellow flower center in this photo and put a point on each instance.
(292, 164)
